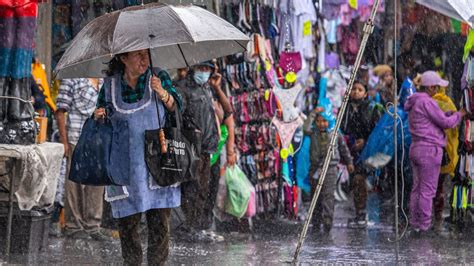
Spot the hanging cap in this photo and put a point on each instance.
(431, 78)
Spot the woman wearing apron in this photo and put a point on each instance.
(129, 95)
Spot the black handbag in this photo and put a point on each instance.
(91, 164)
(179, 162)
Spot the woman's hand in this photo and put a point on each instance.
(359, 145)
(156, 86)
(99, 113)
(231, 159)
(165, 96)
(463, 112)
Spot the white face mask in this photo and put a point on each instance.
(201, 77)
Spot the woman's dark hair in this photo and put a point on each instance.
(115, 65)
(361, 82)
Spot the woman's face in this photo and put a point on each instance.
(388, 78)
(136, 63)
(358, 92)
(432, 90)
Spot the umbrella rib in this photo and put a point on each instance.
(182, 54)
(245, 48)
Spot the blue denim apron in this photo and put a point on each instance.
(143, 193)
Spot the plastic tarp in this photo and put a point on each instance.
(462, 10)
(380, 146)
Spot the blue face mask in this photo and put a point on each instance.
(201, 77)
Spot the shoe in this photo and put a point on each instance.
(359, 222)
(209, 236)
(414, 233)
(55, 230)
(327, 228)
(100, 236)
(438, 226)
(77, 234)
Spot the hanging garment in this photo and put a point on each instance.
(287, 99)
(17, 32)
(452, 135)
(39, 74)
(303, 164)
(286, 131)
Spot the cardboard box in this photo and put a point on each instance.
(43, 129)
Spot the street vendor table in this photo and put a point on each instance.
(33, 178)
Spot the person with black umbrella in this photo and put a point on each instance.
(131, 93)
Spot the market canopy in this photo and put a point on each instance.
(462, 10)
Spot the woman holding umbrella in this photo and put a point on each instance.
(132, 93)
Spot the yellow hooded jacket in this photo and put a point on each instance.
(446, 104)
(39, 74)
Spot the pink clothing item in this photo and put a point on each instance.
(426, 165)
(431, 78)
(287, 130)
(427, 121)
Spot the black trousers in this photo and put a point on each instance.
(158, 222)
(195, 195)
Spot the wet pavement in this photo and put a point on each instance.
(273, 243)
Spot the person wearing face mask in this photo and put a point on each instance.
(359, 120)
(427, 123)
(207, 106)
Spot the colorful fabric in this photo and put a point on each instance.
(469, 45)
(452, 135)
(39, 74)
(17, 32)
(78, 98)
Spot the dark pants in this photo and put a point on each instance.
(195, 195)
(360, 191)
(158, 222)
(213, 186)
(82, 204)
(324, 212)
(438, 201)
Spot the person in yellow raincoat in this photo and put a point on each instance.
(446, 104)
(39, 74)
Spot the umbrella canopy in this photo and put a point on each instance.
(462, 10)
(177, 36)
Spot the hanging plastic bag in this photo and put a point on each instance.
(252, 205)
(380, 146)
(238, 192)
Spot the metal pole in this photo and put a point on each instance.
(395, 120)
(368, 28)
(14, 173)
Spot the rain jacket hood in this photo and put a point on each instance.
(427, 121)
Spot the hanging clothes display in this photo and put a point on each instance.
(17, 32)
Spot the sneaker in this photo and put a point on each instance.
(55, 230)
(209, 236)
(414, 233)
(359, 222)
(327, 228)
(100, 236)
(77, 234)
